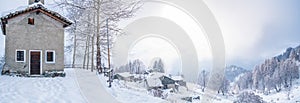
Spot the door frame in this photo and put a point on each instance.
(41, 61)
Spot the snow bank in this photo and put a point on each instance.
(40, 90)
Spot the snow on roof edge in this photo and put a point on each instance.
(36, 4)
(34, 7)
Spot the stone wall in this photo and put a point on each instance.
(45, 34)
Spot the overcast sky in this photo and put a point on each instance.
(252, 29)
(257, 29)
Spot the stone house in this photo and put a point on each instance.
(179, 80)
(34, 39)
(167, 82)
(153, 81)
(126, 76)
(172, 82)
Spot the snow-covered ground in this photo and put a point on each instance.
(67, 90)
(129, 94)
(40, 90)
(284, 96)
(126, 91)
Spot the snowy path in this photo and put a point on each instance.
(91, 87)
(40, 90)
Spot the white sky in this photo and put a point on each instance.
(253, 29)
(164, 50)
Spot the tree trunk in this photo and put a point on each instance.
(108, 48)
(93, 46)
(277, 89)
(98, 38)
(92, 58)
(291, 81)
(85, 52)
(88, 53)
(74, 51)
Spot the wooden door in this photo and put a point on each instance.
(35, 63)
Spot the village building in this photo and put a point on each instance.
(179, 80)
(172, 82)
(167, 82)
(153, 83)
(126, 76)
(34, 39)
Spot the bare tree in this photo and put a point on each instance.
(202, 79)
(102, 10)
(134, 67)
(1, 63)
(158, 66)
(245, 81)
(85, 52)
(224, 87)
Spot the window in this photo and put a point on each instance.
(20, 55)
(31, 21)
(50, 56)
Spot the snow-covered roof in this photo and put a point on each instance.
(125, 74)
(32, 8)
(156, 75)
(153, 79)
(154, 82)
(176, 78)
(36, 4)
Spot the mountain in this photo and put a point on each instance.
(276, 73)
(233, 71)
(290, 53)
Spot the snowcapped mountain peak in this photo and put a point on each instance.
(293, 53)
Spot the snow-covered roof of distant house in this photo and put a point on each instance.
(36, 7)
(156, 75)
(154, 82)
(176, 78)
(125, 74)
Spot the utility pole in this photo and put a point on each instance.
(110, 71)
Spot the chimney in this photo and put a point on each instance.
(35, 1)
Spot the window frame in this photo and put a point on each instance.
(46, 56)
(31, 21)
(16, 55)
